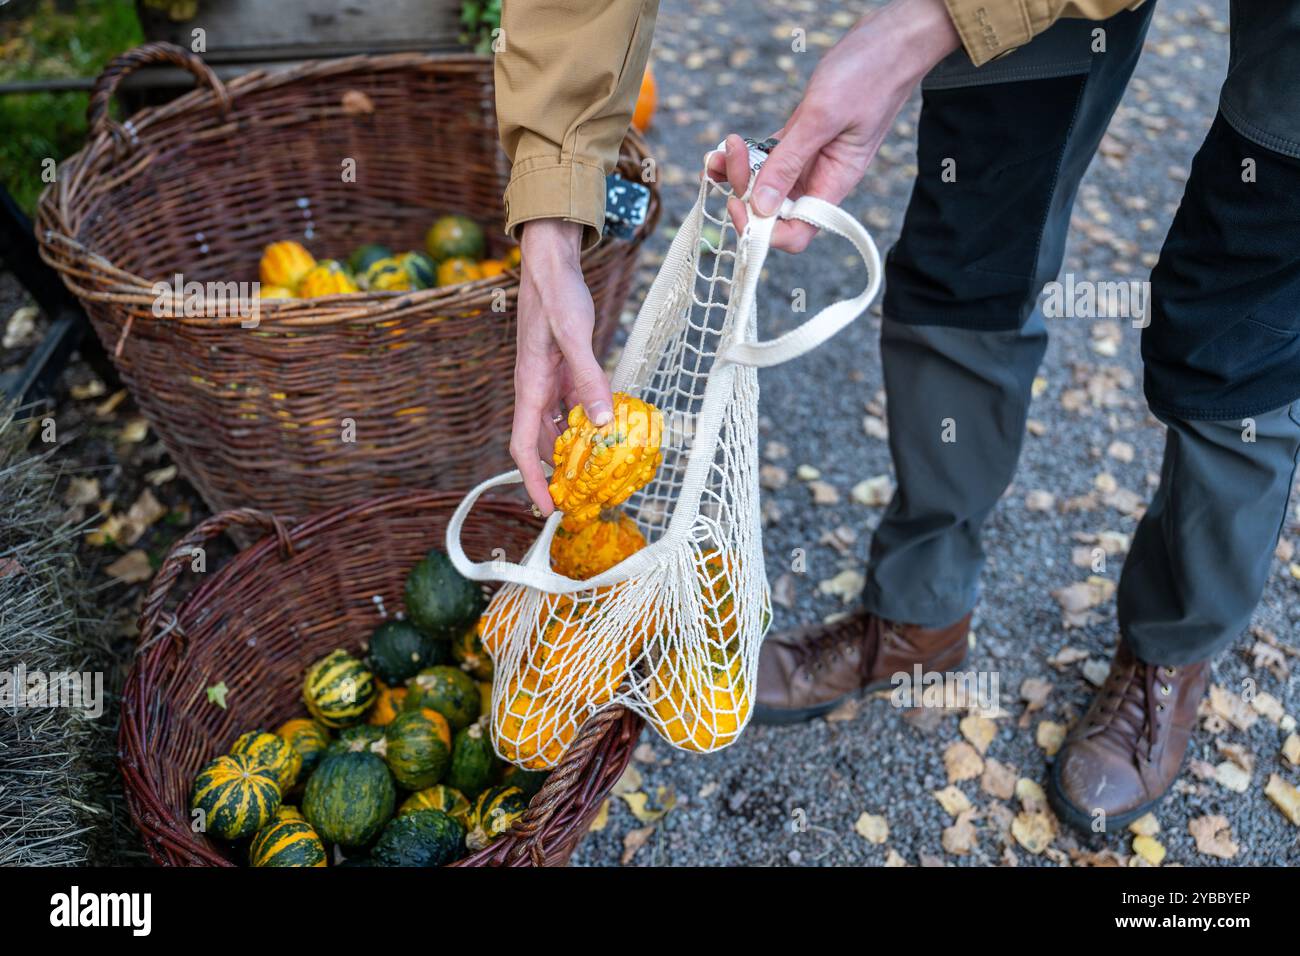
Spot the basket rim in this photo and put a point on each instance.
(548, 820)
(85, 169)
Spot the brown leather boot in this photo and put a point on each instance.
(807, 672)
(1126, 752)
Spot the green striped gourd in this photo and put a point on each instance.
(236, 796)
(338, 689)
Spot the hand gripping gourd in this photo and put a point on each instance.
(600, 466)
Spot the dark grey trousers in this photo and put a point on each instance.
(962, 337)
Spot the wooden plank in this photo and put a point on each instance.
(265, 30)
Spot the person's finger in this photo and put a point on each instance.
(737, 164)
(524, 450)
(525, 435)
(716, 166)
(736, 209)
(806, 135)
(792, 235)
(589, 382)
(549, 427)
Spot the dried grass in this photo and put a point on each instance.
(55, 763)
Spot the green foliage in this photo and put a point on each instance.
(45, 45)
(479, 18)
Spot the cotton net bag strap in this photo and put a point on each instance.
(673, 630)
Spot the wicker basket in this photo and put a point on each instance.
(275, 608)
(197, 187)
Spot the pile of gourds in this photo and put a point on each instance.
(596, 470)
(455, 250)
(392, 765)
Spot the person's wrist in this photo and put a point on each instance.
(919, 33)
(551, 242)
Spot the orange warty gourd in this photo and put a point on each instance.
(284, 264)
(600, 467)
(581, 551)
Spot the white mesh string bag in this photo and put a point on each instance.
(672, 631)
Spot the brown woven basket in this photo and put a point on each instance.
(274, 609)
(197, 187)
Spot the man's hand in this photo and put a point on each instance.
(850, 104)
(555, 368)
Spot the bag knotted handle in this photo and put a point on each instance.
(182, 553)
(837, 315)
(123, 65)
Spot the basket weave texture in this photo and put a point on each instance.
(256, 625)
(328, 400)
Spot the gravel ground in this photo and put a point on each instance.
(726, 66)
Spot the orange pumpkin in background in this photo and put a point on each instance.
(646, 101)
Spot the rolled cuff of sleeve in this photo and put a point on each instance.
(557, 189)
(990, 28)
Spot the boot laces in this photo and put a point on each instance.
(1130, 720)
(816, 650)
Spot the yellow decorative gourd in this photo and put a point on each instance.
(704, 711)
(327, 277)
(600, 467)
(458, 269)
(581, 551)
(539, 714)
(284, 264)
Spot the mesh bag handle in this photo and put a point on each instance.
(834, 317)
(534, 571)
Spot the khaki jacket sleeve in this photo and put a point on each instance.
(989, 28)
(566, 85)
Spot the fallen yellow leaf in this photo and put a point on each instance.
(872, 828)
(1150, 849)
(639, 804)
(1284, 796)
(601, 819)
(1034, 831)
(1213, 836)
(131, 568)
(1050, 736)
(134, 431)
(1145, 825)
(962, 762)
(980, 731)
(953, 801)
